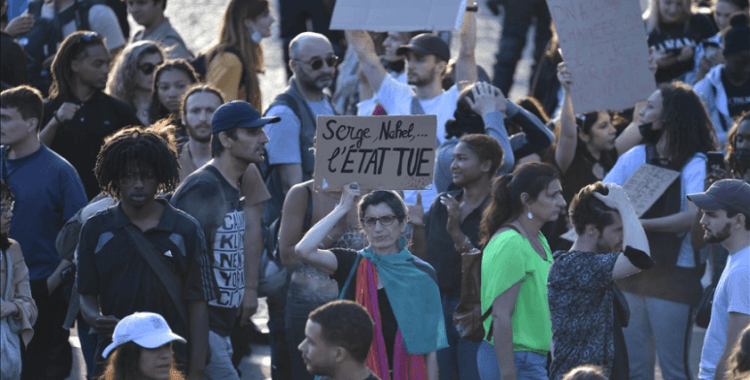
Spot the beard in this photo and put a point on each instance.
(420, 81)
(602, 247)
(200, 139)
(719, 237)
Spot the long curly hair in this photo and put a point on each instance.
(505, 197)
(685, 121)
(731, 156)
(157, 111)
(122, 364)
(72, 48)
(234, 34)
(138, 148)
(121, 83)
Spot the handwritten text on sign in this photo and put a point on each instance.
(378, 152)
(604, 45)
(644, 187)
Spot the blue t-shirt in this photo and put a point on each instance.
(47, 193)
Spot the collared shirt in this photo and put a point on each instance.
(441, 251)
(79, 140)
(109, 265)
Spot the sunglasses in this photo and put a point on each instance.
(147, 68)
(317, 63)
(384, 221)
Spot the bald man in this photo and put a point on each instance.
(313, 65)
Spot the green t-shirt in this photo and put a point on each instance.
(507, 259)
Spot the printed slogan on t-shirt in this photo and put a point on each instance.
(229, 260)
(377, 152)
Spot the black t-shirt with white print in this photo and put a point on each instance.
(222, 220)
(673, 37)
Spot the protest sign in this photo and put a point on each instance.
(397, 15)
(644, 187)
(604, 46)
(377, 152)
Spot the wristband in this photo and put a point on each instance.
(56, 119)
(472, 8)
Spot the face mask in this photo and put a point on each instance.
(743, 157)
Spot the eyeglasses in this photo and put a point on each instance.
(147, 68)
(384, 221)
(7, 208)
(317, 63)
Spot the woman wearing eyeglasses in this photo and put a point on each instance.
(132, 78)
(18, 311)
(237, 58)
(398, 289)
(309, 287)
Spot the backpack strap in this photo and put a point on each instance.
(172, 283)
(351, 275)
(308, 212)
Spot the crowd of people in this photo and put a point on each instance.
(149, 201)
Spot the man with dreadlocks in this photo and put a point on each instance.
(143, 254)
(212, 195)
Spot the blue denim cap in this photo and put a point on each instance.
(734, 193)
(238, 113)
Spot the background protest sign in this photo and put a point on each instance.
(644, 187)
(604, 45)
(377, 152)
(397, 15)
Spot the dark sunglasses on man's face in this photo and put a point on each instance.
(317, 63)
(147, 68)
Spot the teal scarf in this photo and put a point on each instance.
(414, 298)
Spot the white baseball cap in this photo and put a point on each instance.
(148, 330)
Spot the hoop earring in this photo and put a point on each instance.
(530, 215)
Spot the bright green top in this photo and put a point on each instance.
(507, 259)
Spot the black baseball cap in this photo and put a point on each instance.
(427, 44)
(724, 193)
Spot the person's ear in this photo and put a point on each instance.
(591, 231)
(33, 123)
(584, 137)
(740, 220)
(226, 142)
(525, 198)
(486, 166)
(338, 354)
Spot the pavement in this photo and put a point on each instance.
(197, 21)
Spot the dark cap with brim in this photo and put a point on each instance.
(725, 193)
(427, 44)
(238, 114)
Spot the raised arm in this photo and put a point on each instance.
(308, 248)
(369, 63)
(466, 65)
(490, 103)
(568, 136)
(633, 235)
(535, 136)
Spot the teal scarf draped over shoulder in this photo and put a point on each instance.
(414, 298)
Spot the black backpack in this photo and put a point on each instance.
(43, 40)
(200, 64)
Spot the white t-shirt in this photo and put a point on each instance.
(691, 178)
(102, 19)
(367, 106)
(396, 98)
(283, 145)
(732, 296)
